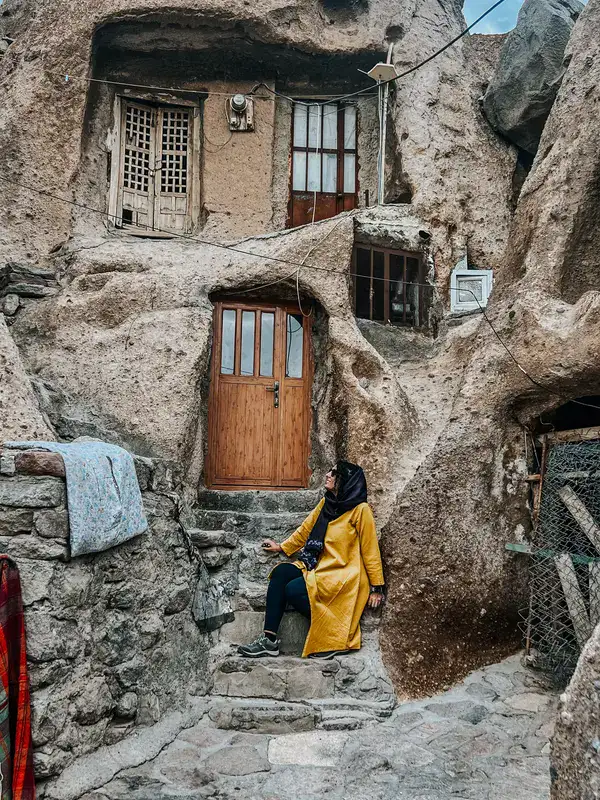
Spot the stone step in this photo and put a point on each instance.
(248, 524)
(346, 720)
(213, 538)
(263, 716)
(303, 500)
(247, 625)
(283, 678)
(340, 707)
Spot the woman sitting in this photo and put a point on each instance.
(337, 572)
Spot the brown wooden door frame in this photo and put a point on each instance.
(282, 416)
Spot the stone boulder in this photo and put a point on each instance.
(575, 759)
(529, 73)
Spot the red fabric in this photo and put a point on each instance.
(13, 673)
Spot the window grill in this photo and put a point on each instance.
(138, 137)
(156, 188)
(175, 132)
(388, 286)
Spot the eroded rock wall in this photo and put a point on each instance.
(438, 137)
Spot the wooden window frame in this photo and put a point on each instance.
(117, 149)
(405, 255)
(340, 151)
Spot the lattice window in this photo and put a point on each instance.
(138, 138)
(174, 159)
(156, 187)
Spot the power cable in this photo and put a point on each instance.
(426, 60)
(333, 98)
(299, 265)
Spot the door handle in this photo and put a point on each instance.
(275, 390)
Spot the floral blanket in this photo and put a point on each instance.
(103, 494)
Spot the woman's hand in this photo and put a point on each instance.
(271, 546)
(375, 599)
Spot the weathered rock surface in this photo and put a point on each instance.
(524, 86)
(575, 754)
(20, 417)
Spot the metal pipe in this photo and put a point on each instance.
(383, 109)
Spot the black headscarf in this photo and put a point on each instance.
(352, 491)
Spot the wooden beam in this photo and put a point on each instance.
(527, 550)
(574, 598)
(575, 435)
(581, 515)
(594, 584)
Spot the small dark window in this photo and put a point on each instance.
(127, 216)
(389, 286)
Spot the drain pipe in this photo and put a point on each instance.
(383, 108)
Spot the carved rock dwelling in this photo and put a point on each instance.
(194, 265)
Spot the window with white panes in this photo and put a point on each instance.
(324, 161)
(153, 184)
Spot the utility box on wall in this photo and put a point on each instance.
(470, 289)
(241, 113)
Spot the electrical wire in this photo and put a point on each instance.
(426, 60)
(298, 265)
(332, 98)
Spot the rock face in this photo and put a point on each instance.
(20, 417)
(522, 91)
(575, 757)
(122, 350)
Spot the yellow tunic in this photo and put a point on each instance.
(339, 586)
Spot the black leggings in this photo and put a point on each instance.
(287, 585)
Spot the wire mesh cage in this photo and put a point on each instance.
(565, 561)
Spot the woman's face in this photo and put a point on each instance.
(331, 480)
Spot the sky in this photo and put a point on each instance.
(501, 20)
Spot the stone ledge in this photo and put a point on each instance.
(21, 492)
(40, 462)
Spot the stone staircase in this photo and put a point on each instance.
(289, 693)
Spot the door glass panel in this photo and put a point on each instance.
(299, 171)
(247, 361)
(350, 127)
(363, 283)
(378, 285)
(314, 125)
(329, 172)
(314, 172)
(294, 346)
(299, 125)
(267, 327)
(228, 342)
(330, 122)
(349, 173)
(397, 310)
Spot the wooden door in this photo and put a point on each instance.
(259, 409)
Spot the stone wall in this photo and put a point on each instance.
(111, 640)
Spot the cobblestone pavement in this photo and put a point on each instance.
(486, 739)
